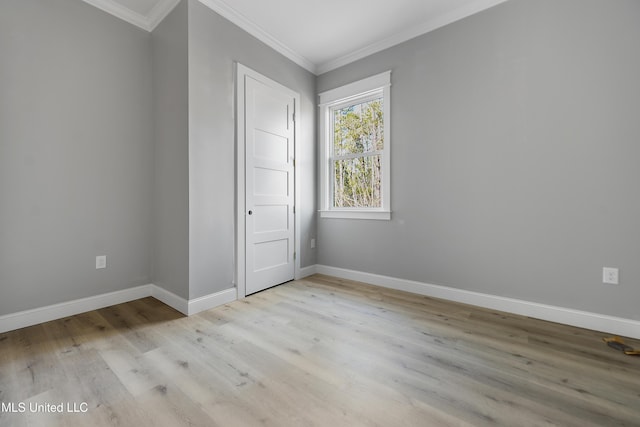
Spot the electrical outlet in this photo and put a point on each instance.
(313, 243)
(101, 262)
(610, 275)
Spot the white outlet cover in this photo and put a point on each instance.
(610, 275)
(101, 262)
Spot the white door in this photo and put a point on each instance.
(269, 185)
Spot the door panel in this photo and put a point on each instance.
(270, 182)
(268, 146)
(271, 218)
(270, 254)
(269, 192)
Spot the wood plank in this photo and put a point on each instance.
(317, 352)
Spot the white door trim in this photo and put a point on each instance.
(240, 255)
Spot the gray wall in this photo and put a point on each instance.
(119, 142)
(75, 152)
(214, 45)
(171, 160)
(514, 158)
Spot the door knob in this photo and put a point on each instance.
(250, 212)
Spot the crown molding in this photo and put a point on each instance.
(229, 13)
(121, 12)
(408, 34)
(146, 22)
(159, 12)
(164, 7)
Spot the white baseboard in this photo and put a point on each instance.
(196, 305)
(307, 271)
(26, 318)
(171, 299)
(583, 319)
(210, 301)
(22, 319)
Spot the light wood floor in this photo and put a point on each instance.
(317, 352)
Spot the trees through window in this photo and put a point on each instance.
(355, 155)
(358, 143)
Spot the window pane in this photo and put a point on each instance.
(358, 128)
(356, 182)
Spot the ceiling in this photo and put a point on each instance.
(319, 35)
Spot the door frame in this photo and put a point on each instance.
(241, 72)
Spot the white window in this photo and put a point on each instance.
(355, 147)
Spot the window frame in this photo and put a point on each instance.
(363, 90)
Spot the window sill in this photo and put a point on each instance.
(354, 214)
